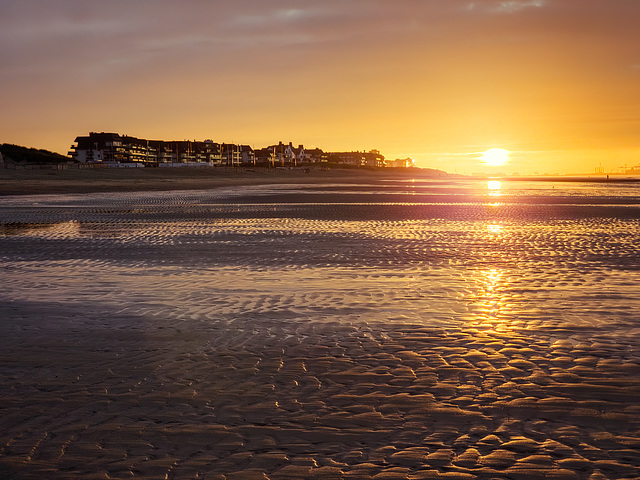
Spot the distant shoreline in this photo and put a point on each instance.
(32, 182)
(617, 178)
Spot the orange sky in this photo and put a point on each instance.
(556, 82)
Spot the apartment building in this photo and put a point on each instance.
(372, 158)
(124, 150)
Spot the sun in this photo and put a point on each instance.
(495, 157)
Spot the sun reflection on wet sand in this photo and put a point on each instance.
(488, 305)
(494, 187)
(495, 284)
(494, 228)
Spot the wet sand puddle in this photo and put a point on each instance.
(309, 333)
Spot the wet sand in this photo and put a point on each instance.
(275, 334)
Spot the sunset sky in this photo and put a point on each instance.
(555, 82)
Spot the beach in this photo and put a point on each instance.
(322, 325)
(89, 180)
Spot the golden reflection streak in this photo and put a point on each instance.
(491, 299)
(494, 229)
(494, 187)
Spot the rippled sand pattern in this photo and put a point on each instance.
(392, 331)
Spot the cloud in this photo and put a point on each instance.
(504, 7)
(54, 36)
(280, 17)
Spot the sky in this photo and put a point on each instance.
(554, 82)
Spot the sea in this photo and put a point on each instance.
(426, 328)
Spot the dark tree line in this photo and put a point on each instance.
(30, 156)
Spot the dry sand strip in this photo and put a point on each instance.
(22, 182)
(295, 400)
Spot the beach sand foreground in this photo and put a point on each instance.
(126, 399)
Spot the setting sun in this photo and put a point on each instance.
(495, 157)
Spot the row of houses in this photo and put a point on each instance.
(124, 150)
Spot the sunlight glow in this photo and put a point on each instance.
(494, 187)
(495, 157)
(493, 228)
(492, 299)
(493, 280)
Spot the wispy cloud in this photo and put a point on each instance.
(501, 7)
(276, 18)
(516, 6)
